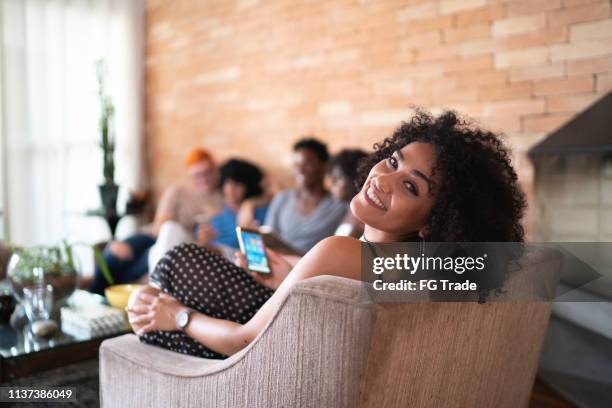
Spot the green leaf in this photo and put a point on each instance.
(103, 266)
(69, 256)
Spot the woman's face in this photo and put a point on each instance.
(399, 193)
(233, 193)
(340, 186)
(203, 175)
(308, 169)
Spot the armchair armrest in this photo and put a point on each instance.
(316, 344)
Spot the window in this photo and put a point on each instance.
(51, 110)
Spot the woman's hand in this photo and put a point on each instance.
(246, 214)
(151, 313)
(279, 266)
(206, 234)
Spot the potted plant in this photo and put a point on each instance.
(53, 265)
(108, 190)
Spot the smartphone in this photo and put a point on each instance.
(252, 246)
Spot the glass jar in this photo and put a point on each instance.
(42, 265)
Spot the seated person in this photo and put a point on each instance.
(127, 260)
(240, 180)
(307, 213)
(342, 175)
(438, 179)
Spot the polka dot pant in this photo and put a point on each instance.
(210, 284)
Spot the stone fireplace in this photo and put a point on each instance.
(573, 179)
(573, 203)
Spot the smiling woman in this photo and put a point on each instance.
(436, 179)
(398, 195)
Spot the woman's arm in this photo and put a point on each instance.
(223, 336)
(280, 265)
(151, 310)
(246, 213)
(332, 256)
(340, 256)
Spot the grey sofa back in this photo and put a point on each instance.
(463, 354)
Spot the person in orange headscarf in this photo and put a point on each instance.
(184, 203)
(187, 203)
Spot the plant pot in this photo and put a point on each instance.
(108, 195)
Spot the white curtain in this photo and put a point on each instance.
(50, 112)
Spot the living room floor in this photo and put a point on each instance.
(542, 396)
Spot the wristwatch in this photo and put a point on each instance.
(182, 319)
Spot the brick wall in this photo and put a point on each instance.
(249, 77)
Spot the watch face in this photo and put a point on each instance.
(182, 319)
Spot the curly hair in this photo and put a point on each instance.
(242, 171)
(479, 198)
(346, 160)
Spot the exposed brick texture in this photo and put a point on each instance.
(247, 78)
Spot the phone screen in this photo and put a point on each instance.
(255, 252)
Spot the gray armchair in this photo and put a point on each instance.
(328, 347)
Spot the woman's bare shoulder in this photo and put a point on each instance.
(339, 256)
(341, 243)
